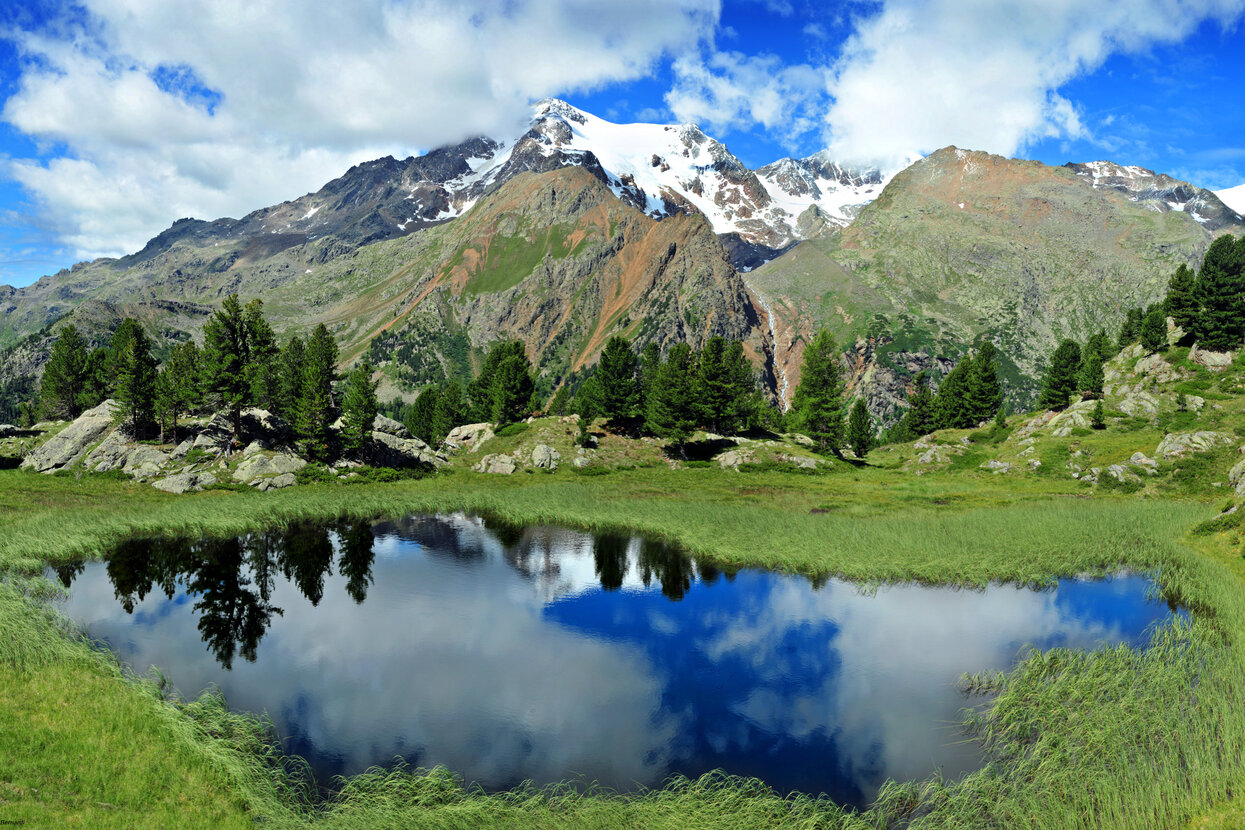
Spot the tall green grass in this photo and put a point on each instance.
(1115, 738)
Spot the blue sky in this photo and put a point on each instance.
(119, 116)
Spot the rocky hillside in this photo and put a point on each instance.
(963, 246)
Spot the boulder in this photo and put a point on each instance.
(389, 426)
(1122, 474)
(496, 464)
(732, 459)
(1177, 445)
(1214, 361)
(10, 431)
(1139, 402)
(545, 457)
(800, 438)
(386, 450)
(1236, 477)
(1145, 462)
(277, 482)
(1194, 403)
(262, 466)
(1078, 415)
(996, 466)
(144, 461)
(182, 450)
(109, 455)
(581, 461)
(469, 437)
(1155, 368)
(184, 482)
(71, 444)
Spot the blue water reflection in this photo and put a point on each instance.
(546, 654)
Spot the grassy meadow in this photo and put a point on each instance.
(1116, 738)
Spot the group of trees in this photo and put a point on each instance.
(240, 365)
(970, 394)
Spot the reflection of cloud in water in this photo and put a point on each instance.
(497, 653)
(375, 680)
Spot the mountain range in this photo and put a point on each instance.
(574, 229)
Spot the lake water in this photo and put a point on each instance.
(547, 654)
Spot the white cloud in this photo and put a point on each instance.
(257, 102)
(730, 90)
(985, 74)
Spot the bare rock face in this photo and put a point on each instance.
(263, 466)
(545, 457)
(184, 482)
(1213, 361)
(387, 425)
(496, 464)
(385, 450)
(71, 444)
(1178, 445)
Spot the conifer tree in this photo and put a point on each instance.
(226, 354)
(951, 404)
(512, 385)
(1101, 344)
(263, 356)
(1181, 302)
(290, 377)
(358, 408)
(450, 411)
(859, 429)
(421, 414)
(1154, 331)
(650, 363)
(618, 380)
(1130, 330)
(1061, 380)
(919, 419)
(724, 385)
(1220, 289)
(984, 392)
(100, 378)
(672, 411)
(1091, 376)
(134, 376)
(64, 376)
(1098, 418)
(316, 411)
(818, 400)
(177, 388)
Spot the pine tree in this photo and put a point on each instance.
(290, 377)
(724, 385)
(134, 376)
(1181, 302)
(745, 398)
(1220, 289)
(859, 429)
(100, 379)
(512, 385)
(650, 364)
(1154, 331)
(818, 400)
(1098, 418)
(263, 358)
(672, 412)
(226, 354)
(588, 407)
(618, 380)
(358, 408)
(951, 404)
(315, 407)
(450, 411)
(985, 393)
(919, 419)
(1130, 331)
(64, 376)
(1091, 375)
(1061, 380)
(421, 414)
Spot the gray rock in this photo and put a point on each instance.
(382, 423)
(1122, 474)
(70, 444)
(1140, 459)
(283, 480)
(800, 439)
(1139, 402)
(8, 430)
(469, 437)
(385, 450)
(581, 461)
(260, 466)
(732, 459)
(1177, 445)
(144, 461)
(545, 457)
(185, 482)
(252, 448)
(182, 450)
(109, 455)
(1214, 361)
(997, 466)
(1077, 415)
(496, 464)
(1236, 477)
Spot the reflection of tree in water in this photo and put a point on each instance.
(233, 579)
(609, 551)
(673, 570)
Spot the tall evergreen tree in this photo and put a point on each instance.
(177, 387)
(226, 355)
(724, 386)
(859, 429)
(64, 376)
(1220, 324)
(512, 385)
(263, 358)
(985, 392)
(818, 399)
(316, 411)
(420, 415)
(1154, 331)
(450, 411)
(650, 364)
(1130, 330)
(290, 375)
(100, 379)
(919, 420)
(1091, 376)
(134, 376)
(951, 404)
(618, 380)
(358, 408)
(672, 412)
(1181, 302)
(1061, 380)
(1101, 344)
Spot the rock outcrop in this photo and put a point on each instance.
(72, 443)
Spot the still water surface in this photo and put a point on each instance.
(549, 654)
